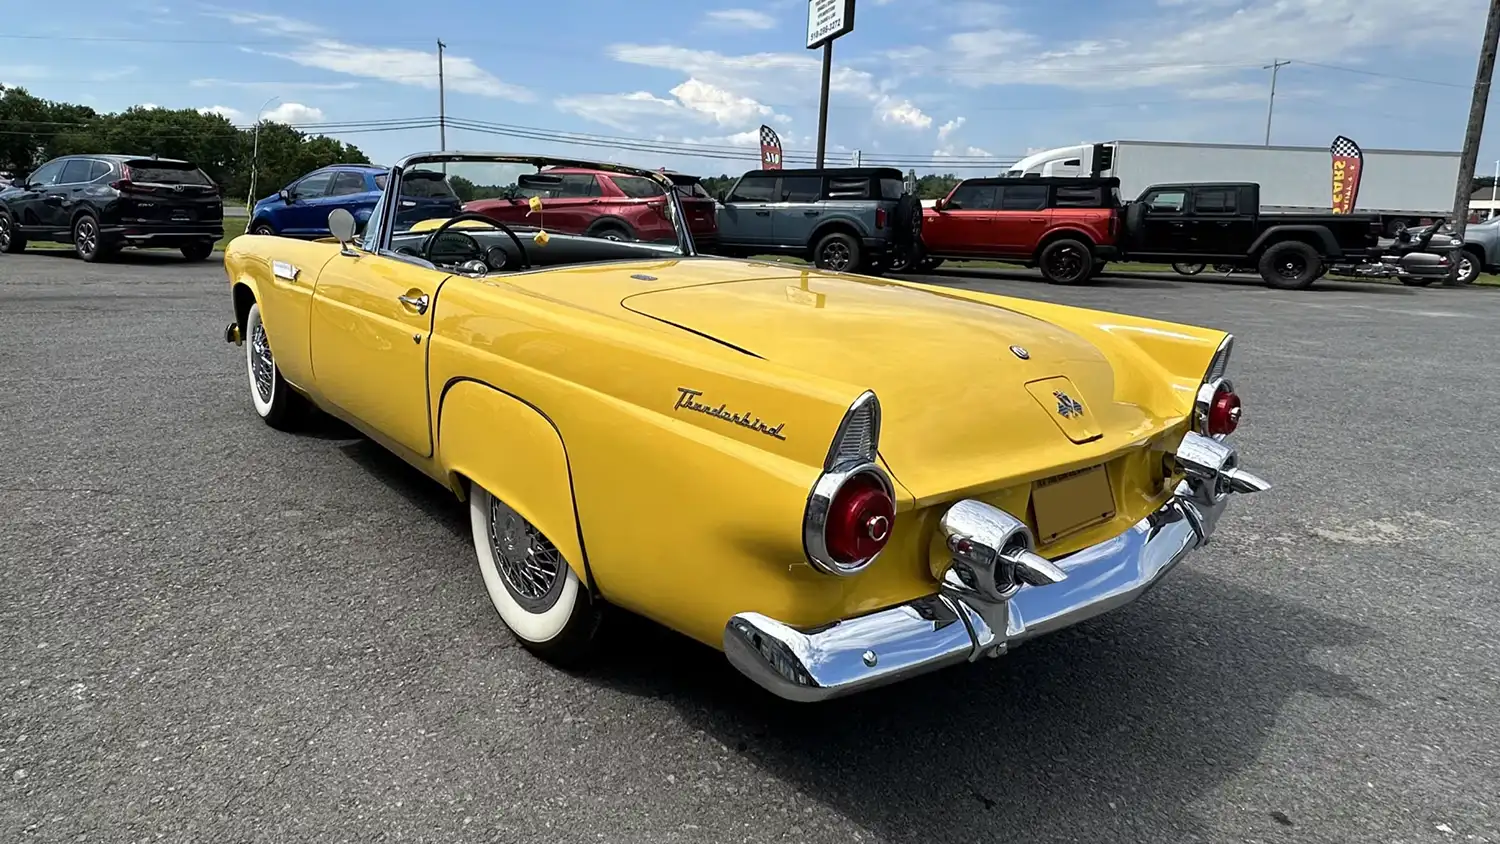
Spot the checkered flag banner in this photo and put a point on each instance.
(770, 149)
(1348, 165)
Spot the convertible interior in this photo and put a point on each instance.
(483, 249)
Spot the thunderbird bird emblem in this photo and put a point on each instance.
(1067, 406)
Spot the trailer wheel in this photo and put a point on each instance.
(1188, 269)
(1290, 265)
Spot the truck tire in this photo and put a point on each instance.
(1290, 265)
(1066, 261)
(1188, 269)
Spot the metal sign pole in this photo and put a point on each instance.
(823, 101)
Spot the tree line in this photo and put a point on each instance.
(34, 130)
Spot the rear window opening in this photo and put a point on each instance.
(164, 173)
(424, 184)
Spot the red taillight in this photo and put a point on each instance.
(1224, 413)
(879, 218)
(860, 519)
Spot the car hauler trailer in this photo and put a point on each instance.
(1403, 187)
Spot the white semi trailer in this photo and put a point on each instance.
(1404, 187)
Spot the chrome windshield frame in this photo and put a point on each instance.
(381, 228)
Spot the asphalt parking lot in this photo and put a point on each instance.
(217, 632)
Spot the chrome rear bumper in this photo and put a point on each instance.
(996, 592)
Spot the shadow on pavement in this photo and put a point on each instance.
(1166, 281)
(1070, 738)
(130, 257)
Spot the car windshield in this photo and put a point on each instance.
(530, 212)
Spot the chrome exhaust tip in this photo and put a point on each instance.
(232, 334)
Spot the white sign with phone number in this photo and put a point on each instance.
(827, 20)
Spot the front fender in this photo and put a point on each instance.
(505, 445)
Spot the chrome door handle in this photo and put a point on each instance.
(416, 303)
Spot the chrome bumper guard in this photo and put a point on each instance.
(996, 593)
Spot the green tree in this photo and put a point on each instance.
(33, 130)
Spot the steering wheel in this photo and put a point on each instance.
(432, 239)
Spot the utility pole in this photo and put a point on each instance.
(442, 101)
(823, 100)
(1275, 67)
(255, 154)
(1470, 157)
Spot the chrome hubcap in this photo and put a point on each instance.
(261, 363)
(528, 562)
(836, 256)
(1465, 265)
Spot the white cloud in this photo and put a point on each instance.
(696, 101)
(903, 113)
(950, 127)
(391, 64)
(626, 112)
(270, 24)
(763, 76)
(233, 115)
(724, 107)
(740, 19)
(273, 86)
(147, 106)
(1181, 43)
(405, 67)
(293, 113)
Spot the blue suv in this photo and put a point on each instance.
(301, 208)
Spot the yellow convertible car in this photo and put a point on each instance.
(840, 481)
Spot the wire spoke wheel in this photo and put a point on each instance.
(528, 563)
(262, 365)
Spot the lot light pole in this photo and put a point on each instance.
(442, 101)
(827, 20)
(255, 155)
(1274, 67)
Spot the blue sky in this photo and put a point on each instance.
(928, 78)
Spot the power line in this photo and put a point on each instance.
(1380, 74)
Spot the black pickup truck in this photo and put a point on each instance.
(1221, 223)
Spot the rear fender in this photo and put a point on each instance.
(512, 450)
(1319, 237)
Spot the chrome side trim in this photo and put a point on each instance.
(285, 270)
(999, 602)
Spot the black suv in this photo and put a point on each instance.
(847, 219)
(100, 203)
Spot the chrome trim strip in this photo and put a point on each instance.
(866, 401)
(285, 270)
(882, 647)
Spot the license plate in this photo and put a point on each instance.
(181, 216)
(1071, 503)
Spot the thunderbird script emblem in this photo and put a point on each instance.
(688, 400)
(1067, 406)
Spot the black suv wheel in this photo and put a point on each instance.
(1066, 261)
(837, 251)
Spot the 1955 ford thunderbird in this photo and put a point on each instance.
(840, 481)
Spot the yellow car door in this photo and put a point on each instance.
(371, 319)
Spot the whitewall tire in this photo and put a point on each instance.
(530, 584)
(275, 402)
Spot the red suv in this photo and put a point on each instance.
(1066, 227)
(599, 203)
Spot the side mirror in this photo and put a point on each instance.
(341, 225)
(286, 196)
(938, 206)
